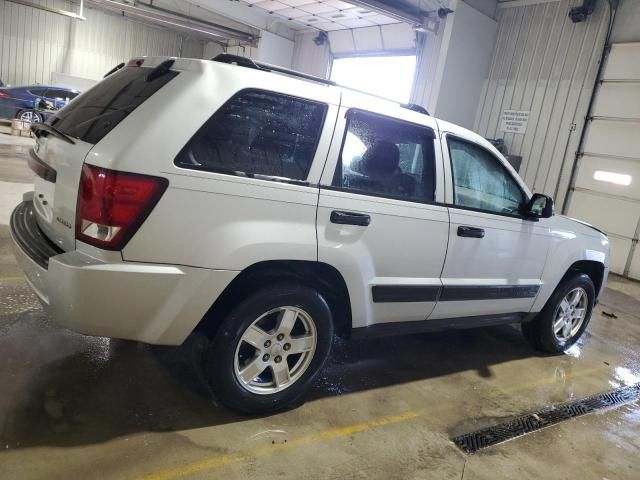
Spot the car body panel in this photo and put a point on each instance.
(55, 203)
(209, 227)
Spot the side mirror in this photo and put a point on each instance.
(540, 206)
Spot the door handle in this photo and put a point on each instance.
(350, 218)
(472, 232)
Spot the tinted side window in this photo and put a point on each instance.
(59, 93)
(104, 106)
(258, 133)
(387, 157)
(38, 92)
(481, 181)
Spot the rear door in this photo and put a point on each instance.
(84, 123)
(378, 222)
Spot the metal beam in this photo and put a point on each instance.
(57, 11)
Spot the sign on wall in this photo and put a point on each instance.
(514, 121)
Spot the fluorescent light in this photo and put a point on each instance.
(611, 177)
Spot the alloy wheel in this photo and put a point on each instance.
(30, 116)
(570, 314)
(275, 350)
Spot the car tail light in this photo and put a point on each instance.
(3, 94)
(112, 205)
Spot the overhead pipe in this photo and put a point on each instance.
(198, 27)
(192, 18)
(57, 11)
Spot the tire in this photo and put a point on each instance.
(548, 332)
(29, 116)
(250, 339)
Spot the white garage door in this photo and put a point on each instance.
(607, 189)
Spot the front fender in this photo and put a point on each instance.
(571, 242)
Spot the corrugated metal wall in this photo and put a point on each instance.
(545, 64)
(34, 43)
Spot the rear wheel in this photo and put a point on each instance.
(29, 116)
(565, 317)
(269, 349)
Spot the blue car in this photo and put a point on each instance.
(33, 103)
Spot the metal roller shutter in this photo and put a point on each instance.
(607, 188)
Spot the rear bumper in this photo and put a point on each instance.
(159, 304)
(32, 249)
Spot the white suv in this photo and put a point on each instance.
(272, 211)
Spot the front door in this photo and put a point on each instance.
(496, 256)
(378, 221)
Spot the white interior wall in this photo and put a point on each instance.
(104, 40)
(35, 44)
(309, 57)
(627, 25)
(275, 49)
(212, 49)
(454, 64)
(546, 65)
(429, 45)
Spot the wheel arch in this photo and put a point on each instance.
(320, 276)
(592, 268)
(558, 270)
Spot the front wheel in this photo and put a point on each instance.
(269, 349)
(564, 318)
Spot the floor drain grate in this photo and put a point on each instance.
(518, 426)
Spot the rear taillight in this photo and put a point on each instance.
(3, 94)
(112, 205)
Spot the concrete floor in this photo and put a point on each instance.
(75, 407)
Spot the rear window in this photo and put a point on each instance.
(38, 92)
(98, 111)
(258, 133)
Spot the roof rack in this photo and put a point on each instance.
(267, 67)
(415, 107)
(247, 62)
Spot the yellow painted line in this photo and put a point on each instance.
(211, 463)
(219, 461)
(11, 279)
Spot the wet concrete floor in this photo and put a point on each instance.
(76, 407)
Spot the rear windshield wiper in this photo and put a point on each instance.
(45, 127)
(160, 70)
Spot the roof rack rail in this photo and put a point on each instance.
(415, 107)
(247, 62)
(267, 67)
